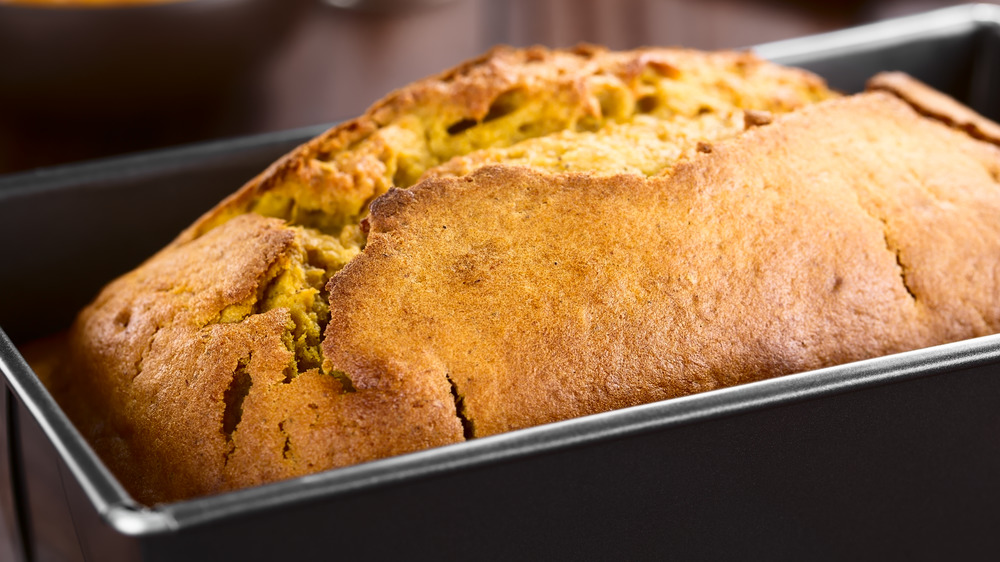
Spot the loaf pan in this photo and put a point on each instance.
(892, 457)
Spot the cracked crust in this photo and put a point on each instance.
(205, 401)
(202, 369)
(504, 97)
(847, 230)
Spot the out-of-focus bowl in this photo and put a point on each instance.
(126, 69)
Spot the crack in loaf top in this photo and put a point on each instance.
(504, 97)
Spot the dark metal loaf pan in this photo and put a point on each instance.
(894, 457)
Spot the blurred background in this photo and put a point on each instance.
(82, 79)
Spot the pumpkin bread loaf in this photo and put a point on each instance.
(531, 236)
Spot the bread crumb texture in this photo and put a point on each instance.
(551, 234)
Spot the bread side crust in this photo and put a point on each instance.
(847, 230)
(183, 398)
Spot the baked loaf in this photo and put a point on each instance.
(551, 234)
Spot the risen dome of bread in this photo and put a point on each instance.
(552, 234)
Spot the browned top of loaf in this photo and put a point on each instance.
(496, 100)
(847, 230)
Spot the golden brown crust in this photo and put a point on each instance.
(743, 243)
(199, 369)
(505, 96)
(152, 355)
(183, 399)
(935, 104)
(844, 231)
